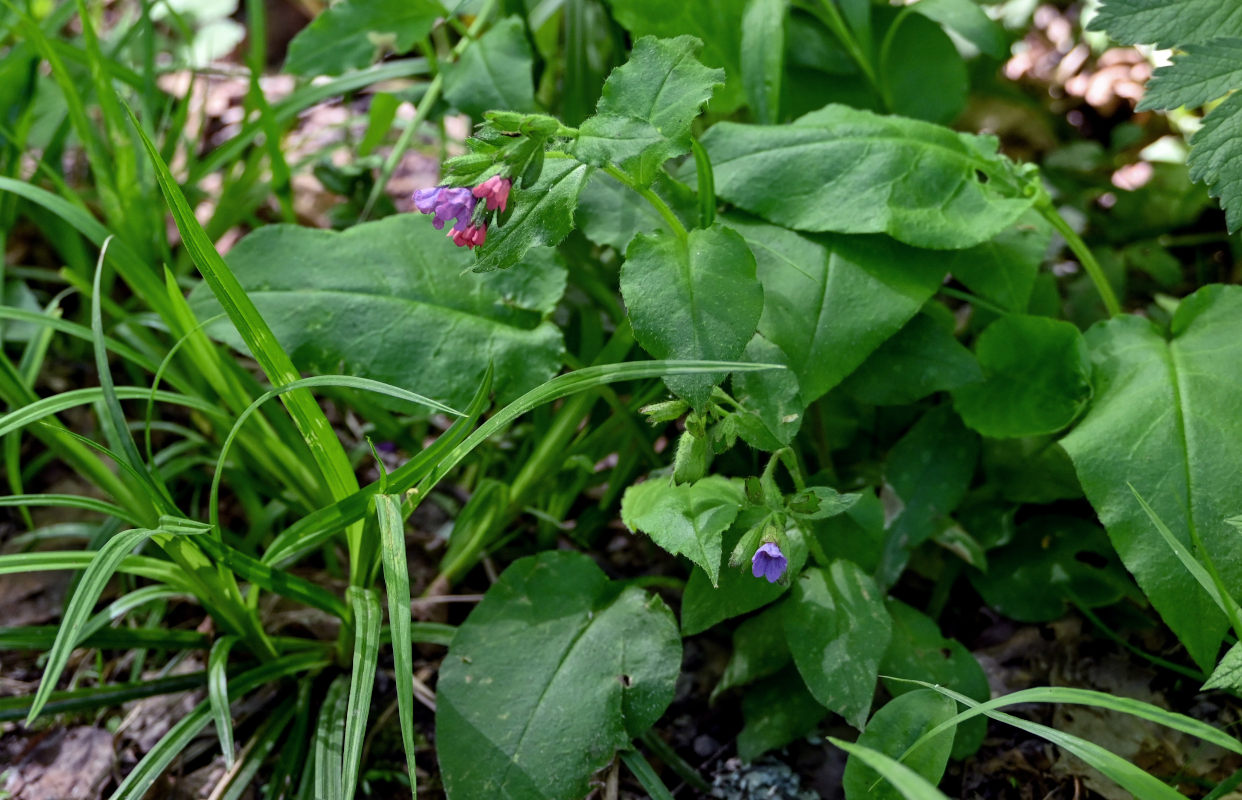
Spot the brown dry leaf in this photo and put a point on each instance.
(71, 764)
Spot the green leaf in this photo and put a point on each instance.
(771, 400)
(763, 57)
(1003, 269)
(330, 741)
(542, 214)
(846, 170)
(759, 650)
(494, 73)
(1216, 156)
(218, 694)
(717, 23)
(967, 19)
(896, 726)
(739, 592)
(1228, 673)
(837, 629)
(1051, 561)
(1037, 378)
(820, 502)
(551, 674)
(644, 114)
(353, 33)
(693, 298)
(408, 287)
(829, 301)
(1167, 23)
(685, 519)
(1030, 470)
(1163, 421)
(777, 710)
(923, 75)
(397, 584)
(909, 783)
(1198, 74)
(918, 650)
(100, 570)
(1128, 776)
(367, 621)
(924, 357)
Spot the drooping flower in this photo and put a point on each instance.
(446, 202)
(496, 190)
(768, 562)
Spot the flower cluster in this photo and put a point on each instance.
(470, 218)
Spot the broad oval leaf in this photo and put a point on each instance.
(495, 72)
(1037, 378)
(553, 672)
(829, 301)
(896, 726)
(837, 629)
(405, 312)
(692, 298)
(851, 171)
(1164, 420)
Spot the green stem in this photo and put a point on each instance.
(654, 199)
(1193, 674)
(663, 751)
(1079, 248)
(974, 300)
(424, 109)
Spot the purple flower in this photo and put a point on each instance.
(446, 203)
(768, 562)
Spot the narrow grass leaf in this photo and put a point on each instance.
(1125, 774)
(46, 407)
(96, 577)
(909, 783)
(367, 621)
(70, 501)
(397, 586)
(330, 742)
(218, 694)
(111, 695)
(646, 775)
(178, 738)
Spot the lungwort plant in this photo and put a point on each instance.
(712, 331)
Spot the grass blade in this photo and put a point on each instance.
(317, 528)
(367, 620)
(1086, 697)
(46, 407)
(153, 764)
(70, 501)
(143, 566)
(330, 741)
(909, 783)
(42, 637)
(397, 585)
(646, 775)
(1126, 775)
(218, 694)
(309, 418)
(109, 695)
(97, 575)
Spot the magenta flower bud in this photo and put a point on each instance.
(471, 236)
(768, 562)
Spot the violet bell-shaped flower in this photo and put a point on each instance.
(768, 562)
(495, 190)
(446, 202)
